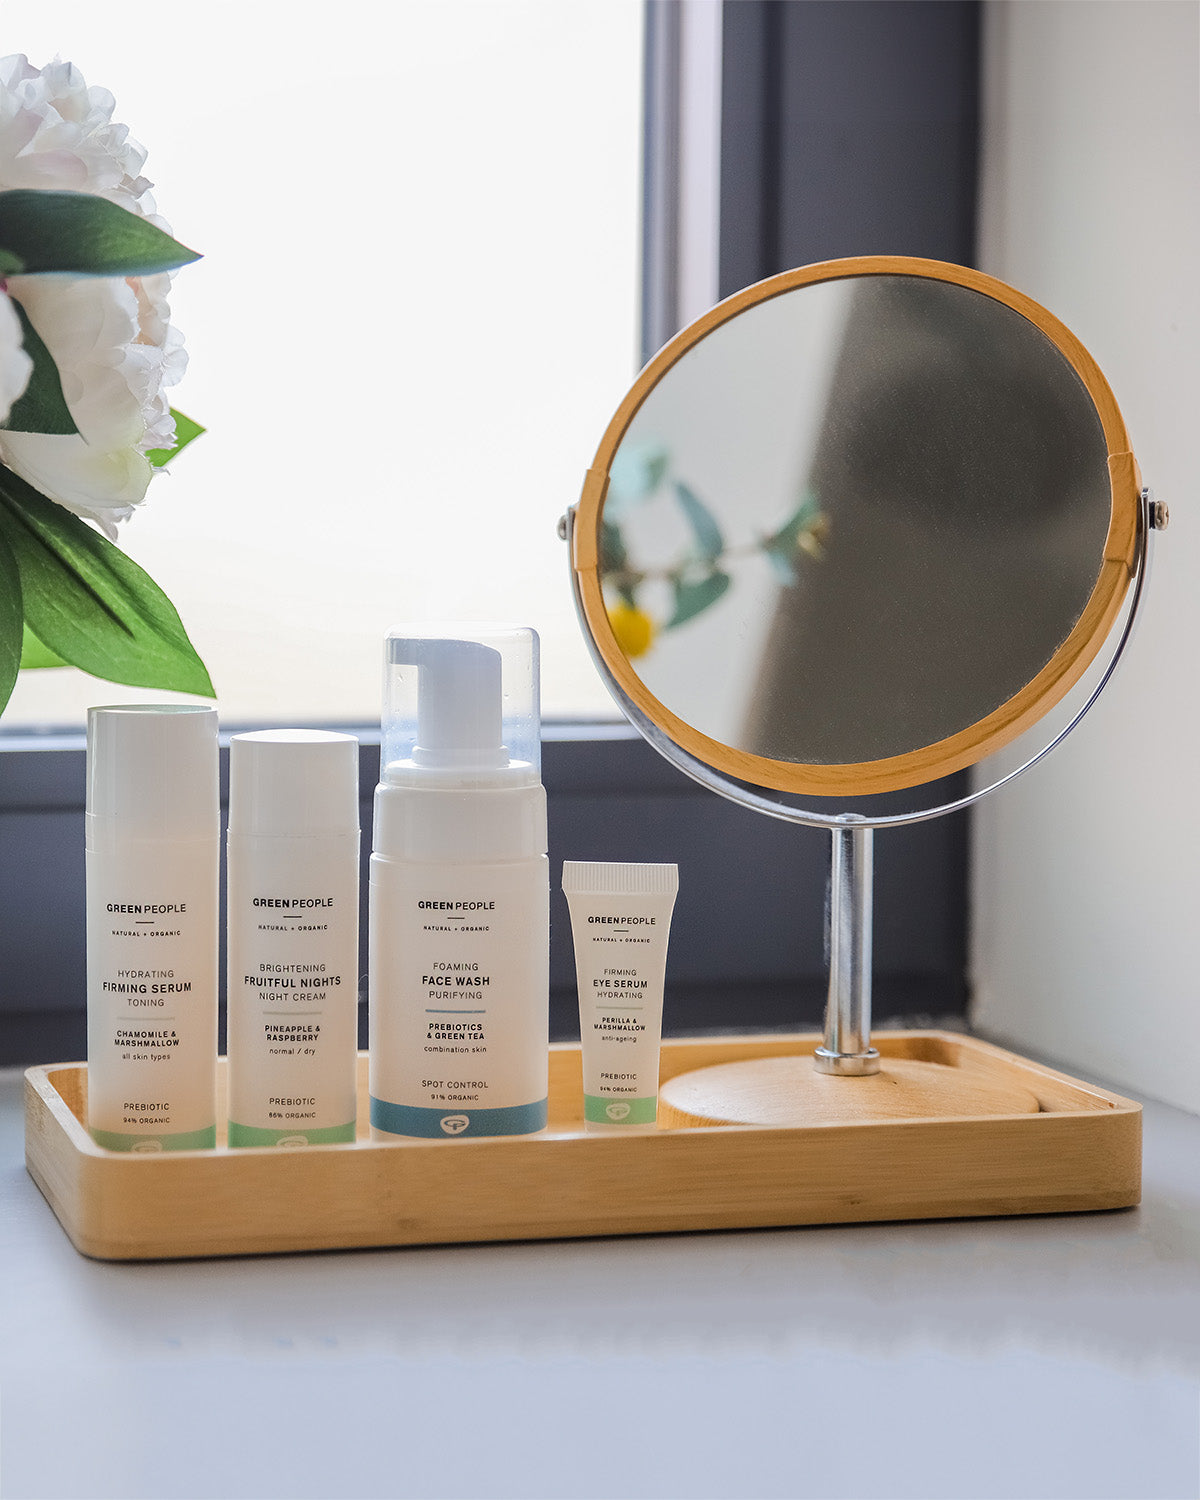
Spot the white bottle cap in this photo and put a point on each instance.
(293, 783)
(152, 771)
(460, 707)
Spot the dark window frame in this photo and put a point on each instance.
(747, 942)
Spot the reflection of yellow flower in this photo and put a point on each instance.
(813, 539)
(633, 628)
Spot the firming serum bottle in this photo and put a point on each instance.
(293, 937)
(459, 900)
(153, 847)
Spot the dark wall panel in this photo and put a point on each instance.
(746, 944)
(850, 127)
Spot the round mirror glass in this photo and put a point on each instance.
(858, 527)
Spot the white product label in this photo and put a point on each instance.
(152, 995)
(459, 998)
(620, 961)
(292, 990)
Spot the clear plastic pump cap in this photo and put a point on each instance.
(152, 770)
(293, 783)
(461, 706)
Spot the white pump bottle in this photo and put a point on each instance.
(459, 897)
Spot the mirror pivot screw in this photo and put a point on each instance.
(1160, 515)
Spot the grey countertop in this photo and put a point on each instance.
(1041, 1357)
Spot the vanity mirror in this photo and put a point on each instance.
(861, 526)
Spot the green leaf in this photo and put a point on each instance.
(782, 545)
(89, 603)
(692, 597)
(34, 654)
(185, 431)
(784, 540)
(782, 566)
(704, 526)
(10, 622)
(41, 407)
(83, 235)
(613, 556)
(634, 474)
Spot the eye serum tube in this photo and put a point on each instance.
(620, 920)
(293, 937)
(153, 848)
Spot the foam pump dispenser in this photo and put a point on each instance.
(459, 895)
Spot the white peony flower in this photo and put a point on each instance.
(15, 365)
(111, 339)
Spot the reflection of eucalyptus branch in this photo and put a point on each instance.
(699, 578)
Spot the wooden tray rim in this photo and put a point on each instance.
(39, 1080)
(231, 1202)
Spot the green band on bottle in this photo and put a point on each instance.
(146, 1145)
(600, 1109)
(450, 1123)
(253, 1135)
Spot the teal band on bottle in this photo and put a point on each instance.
(187, 1140)
(599, 1109)
(449, 1124)
(253, 1135)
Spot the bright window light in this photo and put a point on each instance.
(415, 316)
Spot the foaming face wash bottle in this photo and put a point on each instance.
(293, 937)
(459, 898)
(153, 847)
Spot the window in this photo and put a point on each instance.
(417, 310)
(375, 262)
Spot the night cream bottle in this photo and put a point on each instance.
(153, 846)
(292, 937)
(459, 900)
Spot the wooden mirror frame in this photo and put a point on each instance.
(968, 745)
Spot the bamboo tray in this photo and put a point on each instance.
(1081, 1151)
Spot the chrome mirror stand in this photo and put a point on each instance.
(846, 1049)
